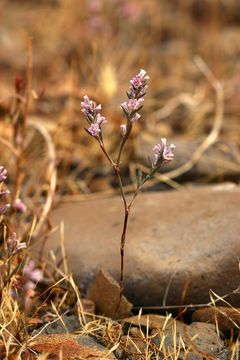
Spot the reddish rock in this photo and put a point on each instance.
(71, 347)
(226, 318)
(188, 235)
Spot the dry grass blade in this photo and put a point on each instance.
(183, 98)
(52, 174)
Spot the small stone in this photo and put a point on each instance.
(134, 348)
(88, 306)
(196, 338)
(53, 325)
(105, 291)
(227, 319)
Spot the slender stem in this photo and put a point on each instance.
(148, 177)
(124, 139)
(127, 208)
(121, 188)
(120, 152)
(117, 173)
(123, 240)
(18, 178)
(105, 152)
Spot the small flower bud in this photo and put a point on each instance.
(19, 206)
(4, 208)
(3, 174)
(123, 129)
(4, 193)
(14, 245)
(163, 153)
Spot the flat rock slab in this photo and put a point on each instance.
(172, 237)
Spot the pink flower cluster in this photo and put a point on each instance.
(94, 118)
(3, 176)
(163, 154)
(14, 245)
(139, 85)
(135, 95)
(24, 288)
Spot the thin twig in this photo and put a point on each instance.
(15, 96)
(190, 306)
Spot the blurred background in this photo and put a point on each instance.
(95, 47)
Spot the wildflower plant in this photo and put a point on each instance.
(3, 193)
(162, 153)
(19, 278)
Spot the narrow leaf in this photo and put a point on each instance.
(139, 177)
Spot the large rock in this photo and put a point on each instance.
(172, 237)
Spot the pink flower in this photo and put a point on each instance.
(163, 154)
(19, 205)
(139, 85)
(23, 289)
(32, 274)
(135, 96)
(135, 117)
(131, 107)
(91, 111)
(14, 245)
(94, 129)
(4, 193)
(90, 107)
(3, 174)
(140, 80)
(4, 208)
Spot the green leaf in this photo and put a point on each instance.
(13, 272)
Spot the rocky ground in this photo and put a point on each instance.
(174, 238)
